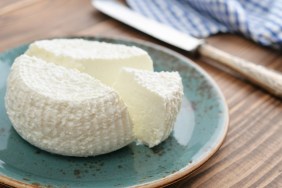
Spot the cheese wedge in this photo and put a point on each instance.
(64, 111)
(153, 100)
(99, 59)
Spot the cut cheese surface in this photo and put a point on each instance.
(153, 100)
(98, 59)
(64, 111)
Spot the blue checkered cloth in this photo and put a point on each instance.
(260, 20)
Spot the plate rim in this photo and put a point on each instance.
(181, 173)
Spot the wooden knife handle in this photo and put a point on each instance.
(268, 79)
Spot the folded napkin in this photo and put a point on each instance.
(260, 20)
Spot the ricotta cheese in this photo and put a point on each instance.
(64, 111)
(153, 100)
(99, 59)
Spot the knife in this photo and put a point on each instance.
(267, 79)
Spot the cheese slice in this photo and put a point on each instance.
(153, 100)
(64, 111)
(99, 59)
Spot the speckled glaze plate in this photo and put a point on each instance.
(199, 131)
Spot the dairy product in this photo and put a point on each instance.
(153, 100)
(84, 98)
(65, 111)
(99, 59)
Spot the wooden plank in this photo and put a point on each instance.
(44, 19)
(5, 3)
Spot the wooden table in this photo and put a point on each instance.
(251, 155)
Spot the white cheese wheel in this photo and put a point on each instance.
(64, 111)
(153, 100)
(99, 59)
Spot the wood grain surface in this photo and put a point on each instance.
(251, 155)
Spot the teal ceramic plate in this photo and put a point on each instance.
(199, 131)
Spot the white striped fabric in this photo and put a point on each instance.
(260, 20)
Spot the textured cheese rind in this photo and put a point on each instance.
(153, 100)
(64, 111)
(99, 59)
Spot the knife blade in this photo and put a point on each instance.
(153, 28)
(267, 79)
